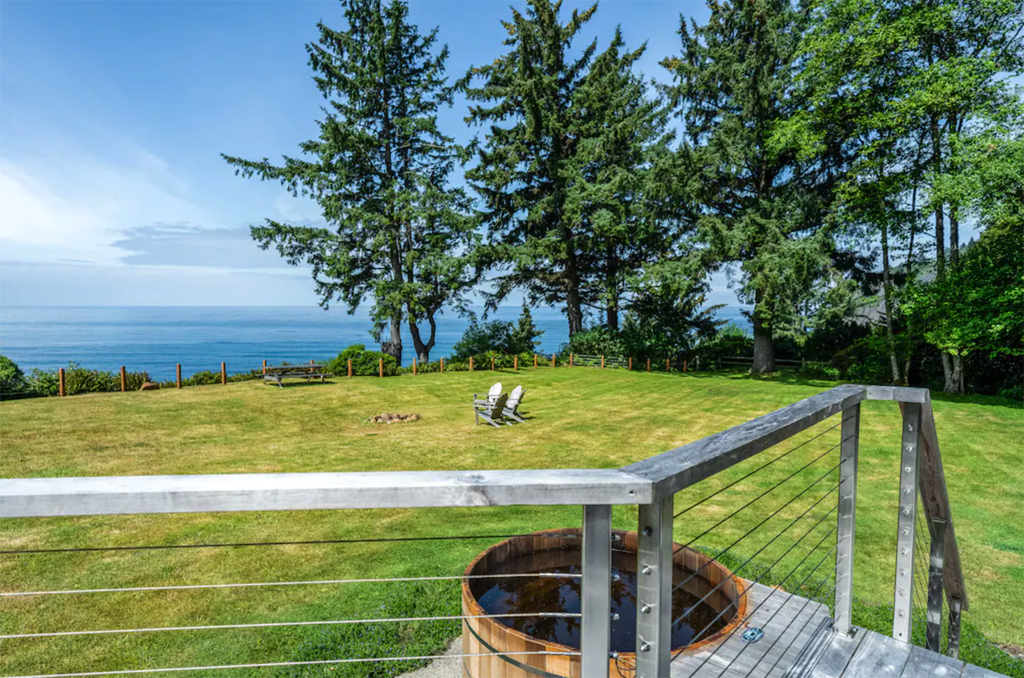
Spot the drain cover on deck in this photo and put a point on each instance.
(752, 635)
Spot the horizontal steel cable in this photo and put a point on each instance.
(774, 614)
(757, 581)
(814, 598)
(759, 468)
(329, 622)
(758, 552)
(313, 542)
(387, 580)
(767, 598)
(754, 528)
(312, 662)
(764, 494)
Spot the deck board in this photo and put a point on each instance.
(925, 664)
(789, 623)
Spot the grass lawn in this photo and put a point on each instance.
(578, 418)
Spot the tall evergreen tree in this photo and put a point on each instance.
(396, 230)
(617, 179)
(526, 98)
(757, 205)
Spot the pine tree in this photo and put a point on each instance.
(525, 97)
(396, 231)
(757, 206)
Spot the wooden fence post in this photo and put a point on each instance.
(124, 380)
(515, 363)
(648, 364)
(224, 374)
(553, 360)
(631, 363)
(380, 367)
(570, 360)
(60, 382)
(602, 362)
(684, 366)
(414, 367)
(350, 367)
(264, 367)
(442, 365)
(470, 363)
(492, 363)
(666, 364)
(534, 361)
(178, 375)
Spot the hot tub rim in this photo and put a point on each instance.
(740, 584)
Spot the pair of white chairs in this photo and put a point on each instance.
(498, 406)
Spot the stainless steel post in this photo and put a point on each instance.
(903, 594)
(850, 440)
(596, 593)
(654, 590)
(935, 586)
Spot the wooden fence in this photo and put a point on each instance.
(574, 360)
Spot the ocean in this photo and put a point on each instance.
(155, 339)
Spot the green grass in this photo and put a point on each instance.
(578, 418)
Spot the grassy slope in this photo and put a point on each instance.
(580, 418)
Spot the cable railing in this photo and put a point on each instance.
(741, 563)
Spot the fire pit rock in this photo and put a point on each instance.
(392, 418)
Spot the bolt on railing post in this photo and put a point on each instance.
(847, 518)
(596, 591)
(953, 648)
(903, 594)
(933, 630)
(654, 590)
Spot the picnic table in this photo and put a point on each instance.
(277, 373)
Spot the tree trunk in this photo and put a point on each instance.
(612, 306)
(764, 345)
(423, 349)
(940, 232)
(573, 306)
(887, 306)
(952, 368)
(954, 236)
(393, 347)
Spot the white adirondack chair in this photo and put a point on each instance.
(492, 414)
(512, 405)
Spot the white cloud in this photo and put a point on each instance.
(63, 207)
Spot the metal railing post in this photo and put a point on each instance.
(847, 514)
(933, 634)
(953, 648)
(654, 590)
(596, 591)
(903, 594)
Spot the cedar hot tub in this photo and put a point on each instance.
(558, 551)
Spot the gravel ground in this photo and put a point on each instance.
(441, 668)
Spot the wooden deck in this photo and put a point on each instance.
(798, 642)
(868, 654)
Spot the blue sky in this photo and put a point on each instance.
(113, 116)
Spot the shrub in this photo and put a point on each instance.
(202, 378)
(12, 379)
(594, 341)
(498, 336)
(364, 363)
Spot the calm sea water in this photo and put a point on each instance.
(154, 339)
